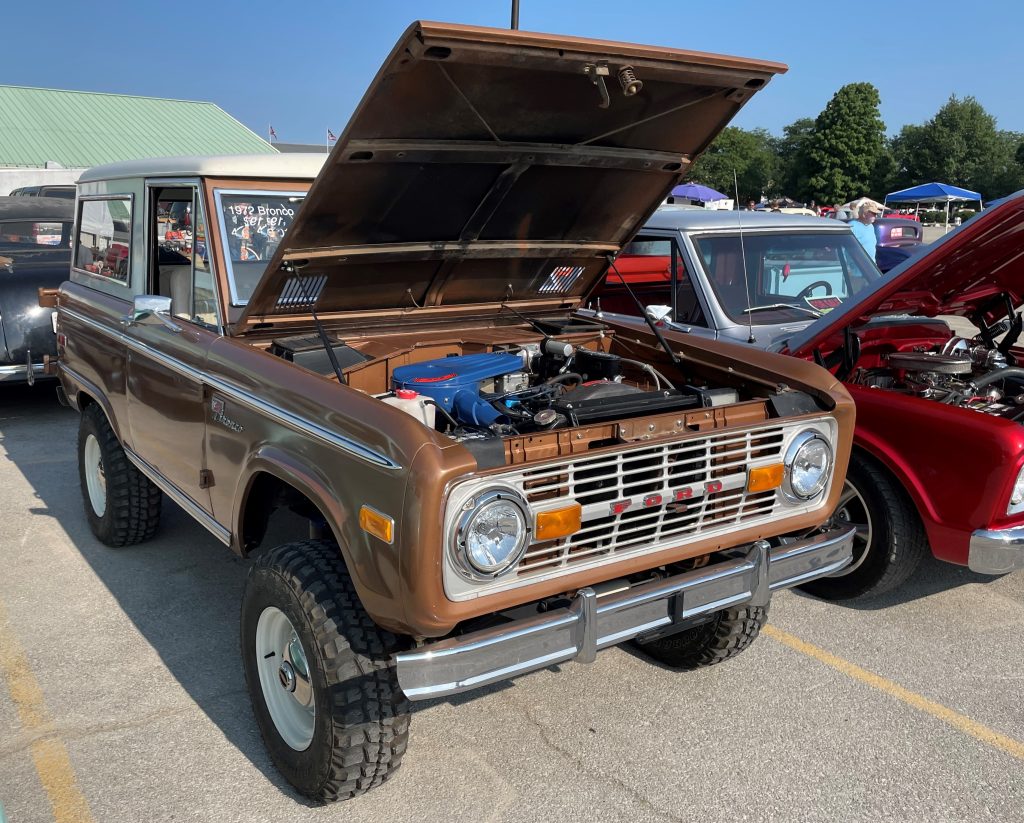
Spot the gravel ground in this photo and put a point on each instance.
(122, 696)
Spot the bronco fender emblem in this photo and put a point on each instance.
(217, 406)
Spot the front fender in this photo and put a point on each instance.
(372, 564)
(957, 465)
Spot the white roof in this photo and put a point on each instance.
(668, 217)
(288, 166)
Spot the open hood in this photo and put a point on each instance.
(966, 273)
(486, 166)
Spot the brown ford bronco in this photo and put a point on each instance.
(387, 346)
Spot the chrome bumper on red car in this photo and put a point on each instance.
(614, 612)
(996, 551)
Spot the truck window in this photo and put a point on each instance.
(790, 274)
(181, 268)
(646, 263)
(252, 225)
(103, 240)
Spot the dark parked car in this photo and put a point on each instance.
(898, 239)
(35, 252)
(63, 192)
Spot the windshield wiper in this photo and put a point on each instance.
(771, 306)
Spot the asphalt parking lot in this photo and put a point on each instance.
(122, 696)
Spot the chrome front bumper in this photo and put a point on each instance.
(613, 613)
(998, 551)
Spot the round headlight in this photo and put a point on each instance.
(492, 535)
(808, 464)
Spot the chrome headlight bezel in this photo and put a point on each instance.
(797, 444)
(471, 509)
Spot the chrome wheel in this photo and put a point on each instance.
(95, 477)
(284, 678)
(853, 510)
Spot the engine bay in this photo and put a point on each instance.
(961, 373)
(924, 358)
(512, 394)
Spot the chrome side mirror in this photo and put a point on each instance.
(151, 309)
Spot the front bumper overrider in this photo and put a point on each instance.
(610, 614)
(996, 551)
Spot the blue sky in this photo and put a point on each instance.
(302, 66)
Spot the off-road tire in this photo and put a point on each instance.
(132, 511)
(728, 633)
(897, 544)
(361, 719)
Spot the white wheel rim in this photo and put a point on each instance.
(852, 510)
(95, 477)
(284, 678)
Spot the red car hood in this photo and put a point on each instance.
(963, 274)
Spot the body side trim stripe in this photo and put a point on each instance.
(276, 413)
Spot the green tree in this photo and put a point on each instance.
(751, 154)
(792, 152)
(846, 144)
(959, 145)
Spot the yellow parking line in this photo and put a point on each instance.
(49, 753)
(961, 722)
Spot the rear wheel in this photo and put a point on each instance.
(890, 541)
(121, 504)
(728, 633)
(323, 688)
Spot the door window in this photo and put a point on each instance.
(182, 268)
(103, 243)
(647, 264)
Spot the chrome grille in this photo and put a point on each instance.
(649, 478)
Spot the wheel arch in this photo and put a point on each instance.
(274, 481)
(906, 480)
(85, 394)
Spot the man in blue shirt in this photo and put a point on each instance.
(863, 228)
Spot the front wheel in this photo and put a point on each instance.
(890, 541)
(319, 673)
(728, 633)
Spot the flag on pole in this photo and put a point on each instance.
(330, 136)
(273, 134)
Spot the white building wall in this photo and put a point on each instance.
(11, 179)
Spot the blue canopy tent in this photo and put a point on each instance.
(934, 193)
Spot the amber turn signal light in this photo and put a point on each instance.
(379, 525)
(764, 478)
(556, 523)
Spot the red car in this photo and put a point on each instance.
(938, 459)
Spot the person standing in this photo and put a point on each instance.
(863, 228)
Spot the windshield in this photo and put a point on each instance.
(253, 224)
(788, 276)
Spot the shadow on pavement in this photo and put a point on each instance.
(181, 590)
(932, 576)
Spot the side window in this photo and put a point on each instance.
(181, 268)
(647, 264)
(103, 242)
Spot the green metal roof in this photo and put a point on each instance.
(80, 129)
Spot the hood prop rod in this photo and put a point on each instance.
(676, 359)
(319, 326)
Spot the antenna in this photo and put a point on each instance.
(743, 258)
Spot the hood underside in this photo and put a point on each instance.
(975, 272)
(486, 166)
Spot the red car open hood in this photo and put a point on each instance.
(965, 273)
